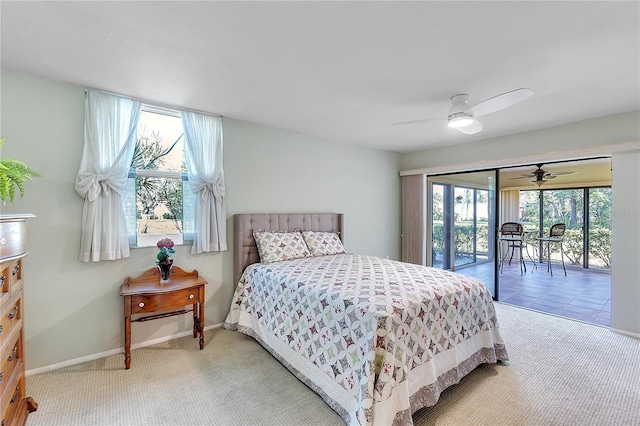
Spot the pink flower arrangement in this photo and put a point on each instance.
(165, 246)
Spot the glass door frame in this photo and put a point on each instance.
(448, 234)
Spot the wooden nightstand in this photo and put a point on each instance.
(145, 294)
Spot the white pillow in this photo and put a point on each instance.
(278, 246)
(323, 243)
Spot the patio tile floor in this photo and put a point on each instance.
(584, 294)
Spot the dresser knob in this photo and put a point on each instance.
(15, 396)
(15, 270)
(13, 314)
(3, 241)
(1, 377)
(191, 296)
(13, 354)
(141, 304)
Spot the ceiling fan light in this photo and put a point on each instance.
(460, 119)
(539, 182)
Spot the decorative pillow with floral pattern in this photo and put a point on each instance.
(276, 246)
(323, 243)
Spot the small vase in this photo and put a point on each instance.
(165, 271)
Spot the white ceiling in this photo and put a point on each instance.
(342, 70)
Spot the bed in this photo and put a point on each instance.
(375, 338)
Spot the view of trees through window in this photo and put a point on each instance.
(470, 221)
(158, 169)
(460, 215)
(571, 206)
(471, 215)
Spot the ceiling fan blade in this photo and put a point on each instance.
(472, 128)
(424, 120)
(505, 100)
(564, 173)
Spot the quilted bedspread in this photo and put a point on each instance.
(376, 338)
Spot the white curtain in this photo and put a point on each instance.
(509, 212)
(109, 140)
(509, 206)
(203, 154)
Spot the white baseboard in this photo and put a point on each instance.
(113, 351)
(626, 333)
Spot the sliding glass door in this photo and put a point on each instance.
(462, 224)
(598, 229)
(586, 212)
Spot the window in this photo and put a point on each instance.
(154, 188)
(460, 224)
(157, 202)
(587, 214)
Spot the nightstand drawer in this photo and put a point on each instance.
(144, 303)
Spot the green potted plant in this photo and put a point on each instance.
(13, 173)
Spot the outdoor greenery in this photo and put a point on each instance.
(149, 154)
(559, 206)
(567, 206)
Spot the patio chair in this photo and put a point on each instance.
(512, 233)
(556, 235)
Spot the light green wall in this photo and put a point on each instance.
(73, 310)
(599, 133)
(625, 236)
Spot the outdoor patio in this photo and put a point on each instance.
(584, 294)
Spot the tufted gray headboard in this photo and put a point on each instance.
(245, 250)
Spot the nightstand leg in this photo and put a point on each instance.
(201, 321)
(195, 320)
(127, 332)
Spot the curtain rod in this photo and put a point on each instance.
(154, 103)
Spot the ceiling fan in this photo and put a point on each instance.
(463, 117)
(542, 176)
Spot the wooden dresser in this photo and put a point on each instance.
(16, 406)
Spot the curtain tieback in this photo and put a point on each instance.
(209, 189)
(103, 183)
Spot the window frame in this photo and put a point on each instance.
(131, 215)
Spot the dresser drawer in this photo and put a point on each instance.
(10, 316)
(10, 277)
(12, 359)
(13, 397)
(143, 303)
(13, 238)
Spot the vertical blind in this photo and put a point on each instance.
(413, 219)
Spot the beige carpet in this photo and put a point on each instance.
(561, 372)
